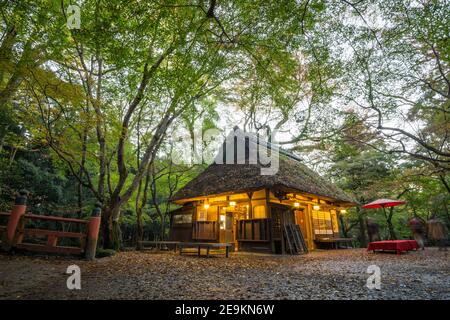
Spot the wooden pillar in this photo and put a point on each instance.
(218, 224)
(52, 241)
(269, 215)
(194, 221)
(92, 232)
(18, 210)
(282, 224)
(250, 207)
(310, 229)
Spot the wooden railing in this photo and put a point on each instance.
(205, 230)
(3, 227)
(253, 230)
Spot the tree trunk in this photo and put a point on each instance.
(391, 229)
(83, 162)
(112, 236)
(444, 182)
(12, 156)
(162, 227)
(139, 229)
(139, 209)
(3, 138)
(392, 234)
(116, 235)
(362, 229)
(80, 200)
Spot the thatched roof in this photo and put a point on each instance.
(292, 175)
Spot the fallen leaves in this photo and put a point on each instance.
(337, 274)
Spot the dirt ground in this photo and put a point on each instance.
(335, 274)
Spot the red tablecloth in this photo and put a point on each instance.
(393, 245)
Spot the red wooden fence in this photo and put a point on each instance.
(15, 232)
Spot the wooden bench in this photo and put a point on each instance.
(159, 244)
(335, 241)
(205, 245)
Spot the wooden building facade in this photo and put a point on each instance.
(234, 203)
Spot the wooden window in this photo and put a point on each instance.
(334, 220)
(182, 218)
(211, 213)
(229, 222)
(259, 212)
(222, 221)
(202, 214)
(322, 223)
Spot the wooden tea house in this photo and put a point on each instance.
(287, 210)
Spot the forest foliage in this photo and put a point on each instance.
(358, 89)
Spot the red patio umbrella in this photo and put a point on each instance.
(383, 203)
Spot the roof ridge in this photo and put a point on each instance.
(259, 141)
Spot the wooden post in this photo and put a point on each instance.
(250, 207)
(52, 241)
(20, 206)
(309, 227)
(282, 224)
(92, 232)
(270, 216)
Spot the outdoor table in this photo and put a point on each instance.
(393, 245)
